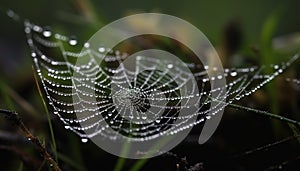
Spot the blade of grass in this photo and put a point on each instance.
(88, 11)
(120, 164)
(20, 168)
(11, 96)
(124, 152)
(138, 165)
(267, 54)
(75, 152)
(121, 160)
(70, 162)
(48, 117)
(295, 131)
(7, 98)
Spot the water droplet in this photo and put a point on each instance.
(47, 33)
(233, 73)
(67, 127)
(276, 66)
(138, 58)
(29, 41)
(101, 49)
(84, 140)
(170, 65)
(33, 54)
(10, 13)
(73, 42)
(54, 63)
(87, 45)
(37, 28)
(27, 30)
(29, 139)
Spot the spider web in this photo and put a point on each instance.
(143, 105)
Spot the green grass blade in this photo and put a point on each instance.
(6, 96)
(70, 162)
(48, 117)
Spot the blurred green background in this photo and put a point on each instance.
(208, 16)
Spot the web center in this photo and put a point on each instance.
(133, 103)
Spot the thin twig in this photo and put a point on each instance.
(272, 115)
(183, 163)
(279, 117)
(15, 119)
(19, 99)
(267, 146)
(282, 164)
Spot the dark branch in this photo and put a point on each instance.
(16, 120)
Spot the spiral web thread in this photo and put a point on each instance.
(55, 65)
